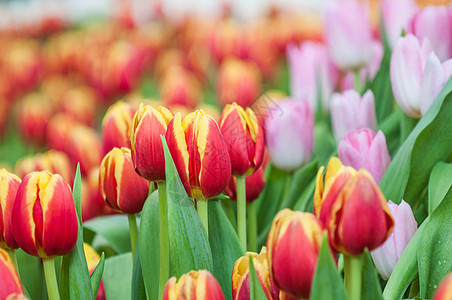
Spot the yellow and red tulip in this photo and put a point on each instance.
(200, 154)
(444, 291)
(9, 183)
(44, 218)
(92, 259)
(147, 150)
(121, 187)
(10, 285)
(244, 137)
(58, 129)
(81, 104)
(199, 285)
(179, 86)
(84, 146)
(116, 126)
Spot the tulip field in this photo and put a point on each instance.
(223, 150)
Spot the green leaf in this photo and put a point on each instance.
(189, 245)
(439, 184)
(149, 245)
(225, 246)
(324, 142)
(304, 203)
(31, 274)
(118, 277)
(370, 286)
(327, 283)
(382, 89)
(109, 231)
(96, 276)
(256, 291)
(138, 289)
(75, 282)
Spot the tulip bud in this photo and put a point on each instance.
(291, 234)
(199, 285)
(58, 131)
(444, 291)
(180, 87)
(147, 150)
(363, 149)
(200, 154)
(396, 16)
(9, 184)
(350, 111)
(386, 256)
(84, 146)
(10, 285)
(255, 184)
(44, 218)
(289, 134)
(81, 104)
(116, 126)
(93, 204)
(121, 187)
(348, 34)
(244, 138)
(92, 259)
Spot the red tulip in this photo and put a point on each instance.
(116, 126)
(199, 285)
(10, 285)
(9, 183)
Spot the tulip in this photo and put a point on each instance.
(199, 285)
(255, 184)
(92, 259)
(293, 233)
(433, 22)
(244, 137)
(348, 34)
(289, 134)
(241, 276)
(179, 86)
(9, 184)
(116, 126)
(122, 189)
(93, 204)
(386, 256)
(58, 129)
(363, 149)
(10, 285)
(310, 67)
(350, 111)
(81, 104)
(444, 291)
(147, 151)
(396, 16)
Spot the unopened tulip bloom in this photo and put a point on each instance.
(289, 134)
(244, 137)
(365, 149)
(180, 87)
(58, 131)
(396, 16)
(92, 259)
(81, 104)
(386, 256)
(121, 187)
(348, 34)
(350, 111)
(255, 184)
(293, 233)
(9, 279)
(84, 146)
(9, 183)
(310, 67)
(147, 150)
(199, 285)
(44, 218)
(434, 23)
(444, 291)
(116, 126)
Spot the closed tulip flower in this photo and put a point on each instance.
(9, 183)
(10, 285)
(200, 154)
(396, 16)
(92, 259)
(116, 126)
(293, 233)
(44, 218)
(121, 187)
(444, 291)
(84, 146)
(179, 86)
(348, 34)
(289, 134)
(244, 137)
(386, 256)
(199, 285)
(147, 150)
(350, 111)
(365, 149)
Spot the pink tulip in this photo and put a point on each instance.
(386, 256)
(396, 16)
(310, 67)
(289, 134)
(350, 111)
(433, 22)
(363, 149)
(348, 34)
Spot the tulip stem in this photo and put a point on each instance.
(357, 81)
(406, 126)
(164, 237)
(203, 212)
(241, 211)
(353, 272)
(12, 254)
(51, 281)
(252, 226)
(133, 234)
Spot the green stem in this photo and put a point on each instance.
(353, 271)
(357, 81)
(406, 126)
(252, 226)
(230, 212)
(203, 212)
(12, 254)
(51, 281)
(133, 234)
(241, 211)
(164, 238)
